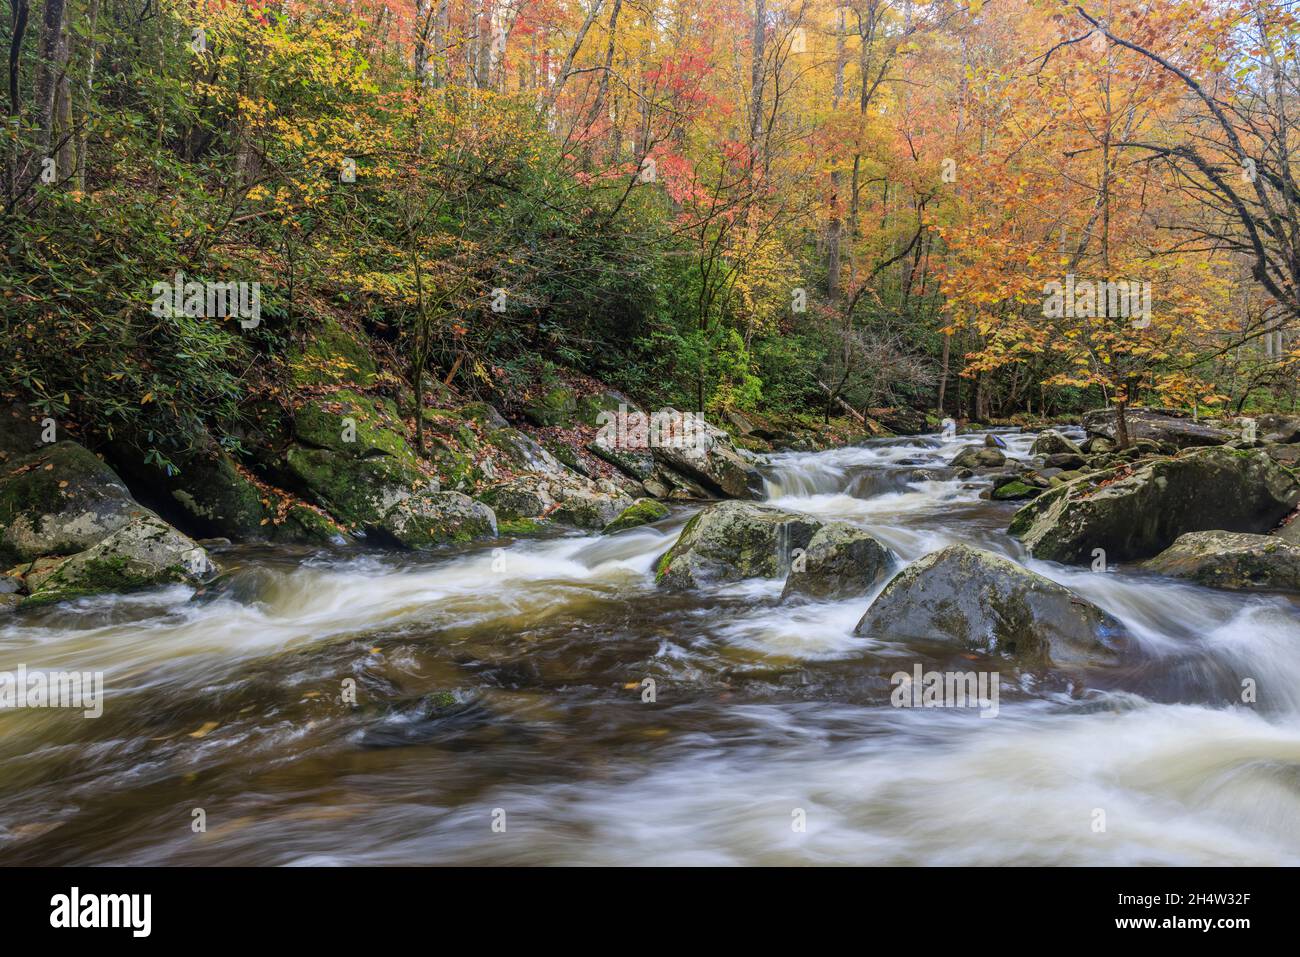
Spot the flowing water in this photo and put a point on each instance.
(499, 714)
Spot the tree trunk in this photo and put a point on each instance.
(52, 53)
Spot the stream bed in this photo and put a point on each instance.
(500, 712)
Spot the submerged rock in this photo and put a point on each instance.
(841, 561)
(1234, 560)
(981, 602)
(734, 540)
(1136, 514)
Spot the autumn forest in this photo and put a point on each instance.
(802, 207)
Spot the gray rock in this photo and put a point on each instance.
(60, 500)
(589, 510)
(1139, 514)
(975, 456)
(841, 561)
(705, 454)
(436, 518)
(1235, 560)
(1050, 442)
(976, 601)
(1284, 429)
(144, 553)
(638, 463)
(734, 540)
(1181, 433)
(1066, 461)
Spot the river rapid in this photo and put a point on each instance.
(499, 714)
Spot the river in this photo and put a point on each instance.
(499, 713)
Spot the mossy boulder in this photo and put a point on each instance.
(145, 553)
(60, 500)
(589, 509)
(524, 497)
(569, 458)
(731, 541)
(1234, 560)
(841, 561)
(1135, 513)
(607, 402)
(1015, 490)
(641, 512)
(523, 453)
(332, 355)
(901, 420)
(484, 414)
(350, 456)
(305, 525)
(555, 405)
(971, 600)
(436, 518)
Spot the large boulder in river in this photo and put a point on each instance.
(60, 500)
(690, 445)
(144, 553)
(1136, 514)
(841, 561)
(350, 455)
(975, 601)
(978, 457)
(1231, 560)
(436, 518)
(1181, 433)
(734, 540)
(1051, 442)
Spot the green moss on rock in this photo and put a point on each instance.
(641, 512)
